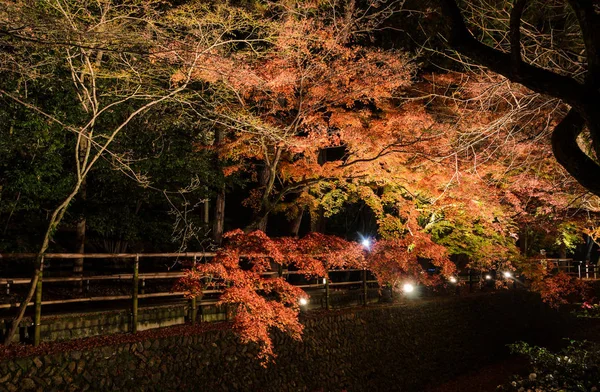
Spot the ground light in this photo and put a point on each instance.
(408, 288)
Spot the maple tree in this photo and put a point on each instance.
(452, 167)
(318, 91)
(301, 99)
(503, 140)
(242, 268)
(263, 301)
(315, 88)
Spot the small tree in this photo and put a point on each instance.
(118, 58)
(263, 303)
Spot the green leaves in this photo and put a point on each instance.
(574, 368)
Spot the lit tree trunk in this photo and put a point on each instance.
(219, 214)
(523, 245)
(266, 181)
(562, 252)
(317, 221)
(219, 219)
(262, 216)
(80, 230)
(295, 226)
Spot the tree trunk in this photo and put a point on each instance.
(80, 232)
(219, 219)
(317, 221)
(206, 213)
(79, 248)
(261, 217)
(562, 252)
(295, 226)
(589, 244)
(81, 224)
(55, 220)
(262, 223)
(523, 242)
(267, 182)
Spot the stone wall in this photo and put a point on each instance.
(379, 348)
(81, 325)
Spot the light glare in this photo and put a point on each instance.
(507, 274)
(408, 288)
(366, 243)
(303, 302)
(488, 277)
(453, 279)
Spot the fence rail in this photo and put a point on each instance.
(135, 276)
(571, 267)
(576, 268)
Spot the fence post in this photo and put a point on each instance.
(587, 270)
(365, 288)
(37, 318)
(134, 294)
(327, 305)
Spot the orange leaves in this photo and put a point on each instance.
(558, 288)
(256, 315)
(264, 303)
(311, 89)
(395, 260)
(329, 251)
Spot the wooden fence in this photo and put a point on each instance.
(580, 269)
(135, 277)
(570, 266)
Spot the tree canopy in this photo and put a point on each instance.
(464, 134)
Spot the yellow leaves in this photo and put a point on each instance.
(391, 226)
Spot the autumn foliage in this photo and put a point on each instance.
(246, 269)
(555, 288)
(396, 260)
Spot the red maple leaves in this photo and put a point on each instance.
(246, 269)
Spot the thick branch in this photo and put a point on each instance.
(515, 33)
(568, 153)
(589, 22)
(534, 78)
